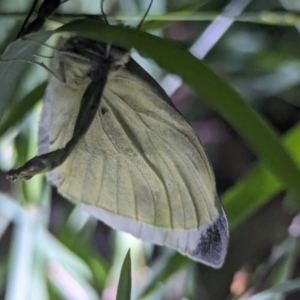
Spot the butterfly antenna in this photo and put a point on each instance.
(108, 46)
(145, 15)
(103, 12)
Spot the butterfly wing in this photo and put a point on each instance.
(140, 167)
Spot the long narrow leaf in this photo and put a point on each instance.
(185, 10)
(286, 287)
(165, 268)
(259, 185)
(10, 71)
(21, 259)
(17, 111)
(124, 287)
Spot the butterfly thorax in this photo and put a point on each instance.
(80, 59)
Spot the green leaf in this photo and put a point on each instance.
(98, 266)
(11, 70)
(124, 287)
(77, 268)
(259, 185)
(284, 263)
(21, 258)
(260, 137)
(185, 10)
(38, 289)
(270, 18)
(18, 111)
(286, 287)
(291, 5)
(164, 269)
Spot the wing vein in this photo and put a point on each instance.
(144, 157)
(85, 175)
(176, 184)
(117, 184)
(134, 197)
(130, 163)
(141, 119)
(102, 178)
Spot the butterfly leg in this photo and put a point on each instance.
(88, 108)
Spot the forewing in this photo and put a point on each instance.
(140, 167)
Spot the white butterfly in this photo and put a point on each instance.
(139, 167)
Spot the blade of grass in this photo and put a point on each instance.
(223, 98)
(10, 71)
(68, 272)
(207, 40)
(267, 18)
(52, 251)
(258, 186)
(17, 111)
(186, 10)
(39, 288)
(21, 259)
(286, 265)
(164, 269)
(286, 287)
(98, 265)
(124, 286)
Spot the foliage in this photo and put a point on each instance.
(240, 93)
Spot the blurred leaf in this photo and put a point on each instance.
(44, 204)
(21, 144)
(164, 269)
(4, 222)
(53, 292)
(285, 76)
(18, 111)
(286, 264)
(124, 287)
(39, 288)
(283, 288)
(21, 258)
(225, 100)
(72, 236)
(34, 186)
(98, 266)
(58, 252)
(10, 33)
(10, 71)
(184, 10)
(187, 13)
(66, 269)
(24, 142)
(258, 186)
(191, 281)
(3, 271)
(291, 4)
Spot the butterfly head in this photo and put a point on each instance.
(79, 58)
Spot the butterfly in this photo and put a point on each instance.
(112, 141)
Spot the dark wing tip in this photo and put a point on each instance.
(212, 246)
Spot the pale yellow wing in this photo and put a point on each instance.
(140, 168)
